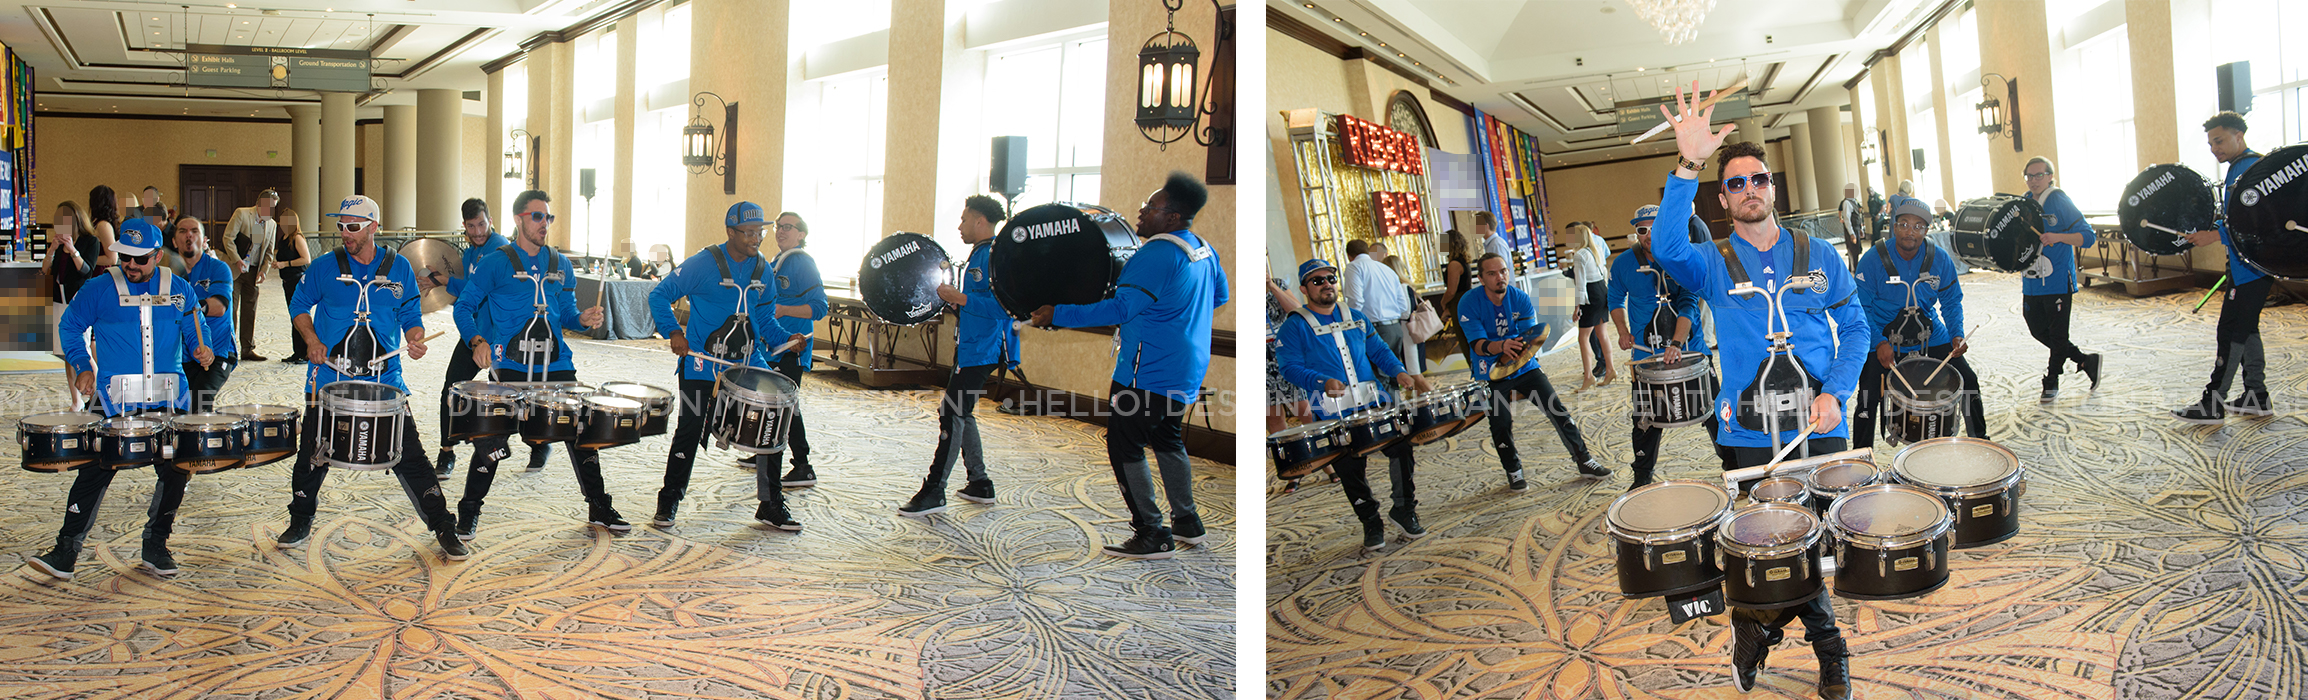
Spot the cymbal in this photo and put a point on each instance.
(1532, 347)
(428, 255)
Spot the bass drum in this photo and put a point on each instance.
(2262, 207)
(1062, 253)
(438, 256)
(900, 276)
(2170, 195)
(1999, 232)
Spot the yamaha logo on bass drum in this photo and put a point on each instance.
(1045, 230)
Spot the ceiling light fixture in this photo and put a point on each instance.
(1677, 20)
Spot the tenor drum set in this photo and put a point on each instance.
(1428, 418)
(232, 437)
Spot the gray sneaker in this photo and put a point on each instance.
(1516, 483)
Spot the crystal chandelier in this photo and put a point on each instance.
(1677, 20)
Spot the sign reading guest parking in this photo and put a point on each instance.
(288, 67)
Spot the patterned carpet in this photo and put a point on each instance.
(983, 601)
(2157, 559)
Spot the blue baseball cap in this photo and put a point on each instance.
(137, 237)
(1909, 205)
(1646, 214)
(1308, 268)
(742, 214)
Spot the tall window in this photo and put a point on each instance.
(844, 159)
(1922, 121)
(2098, 153)
(1967, 148)
(1054, 95)
(595, 145)
(660, 181)
(516, 108)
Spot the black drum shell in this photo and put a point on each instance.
(2270, 193)
(470, 417)
(361, 443)
(1862, 573)
(1692, 569)
(210, 448)
(2000, 232)
(1058, 253)
(57, 451)
(1802, 580)
(899, 278)
(1367, 436)
(1987, 518)
(1300, 453)
(611, 428)
(753, 410)
(129, 451)
(1679, 403)
(1908, 419)
(545, 417)
(269, 439)
(657, 401)
(2176, 197)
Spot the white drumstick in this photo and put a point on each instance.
(715, 360)
(2151, 224)
(1799, 439)
(2294, 225)
(787, 346)
(380, 362)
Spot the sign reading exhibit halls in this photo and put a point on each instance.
(290, 67)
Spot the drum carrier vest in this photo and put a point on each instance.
(1779, 398)
(1660, 330)
(536, 347)
(733, 341)
(1911, 327)
(355, 354)
(150, 386)
(1359, 392)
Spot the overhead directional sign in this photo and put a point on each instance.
(283, 67)
(1637, 116)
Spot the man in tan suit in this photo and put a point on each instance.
(255, 226)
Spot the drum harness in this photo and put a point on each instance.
(1193, 255)
(150, 386)
(1781, 385)
(1359, 392)
(1911, 327)
(536, 346)
(355, 354)
(733, 341)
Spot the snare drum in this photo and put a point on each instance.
(1933, 410)
(57, 441)
(362, 424)
(1981, 481)
(208, 442)
(1676, 394)
(128, 442)
(272, 432)
(1781, 489)
(1891, 542)
(658, 404)
(1833, 479)
(1373, 429)
(610, 421)
(1475, 397)
(1666, 537)
(1435, 415)
(1300, 449)
(753, 409)
(551, 415)
(1769, 554)
(480, 409)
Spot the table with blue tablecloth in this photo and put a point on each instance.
(626, 304)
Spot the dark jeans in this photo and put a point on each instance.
(1401, 467)
(796, 438)
(205, 383)
(289, 277)
(689, 435)
(2047, 317)
(87, 496)
(2238, 338)
(1142, 420)
(1819, 614)
(489, 450)
(246, 287)
(416, 476)
(1869, 404)
(461, 368)
(1647, 444)
(958, 428)
(1532, 384)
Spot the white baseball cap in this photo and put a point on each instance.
(359, 207)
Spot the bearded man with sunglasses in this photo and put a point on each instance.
(1336, 355)
(1755, 396)
(141, 323)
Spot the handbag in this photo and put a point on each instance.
(1424, 323)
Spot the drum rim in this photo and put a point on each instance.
(2015, 473)
(204, 422)
(1802, 488)
(750, 396)
(1751, 551)
(129, 427)
(1865, 540)
(656, 393)
(1818, 489)
(499, 392)
(25, 424)
(1690, 366)
(1898, 392)
(1697, 528)
(590, 405)
(262, 411)
(398, 403)
(544, 398)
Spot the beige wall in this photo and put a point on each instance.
(128, 154)
(1609, 194)
(476, 178)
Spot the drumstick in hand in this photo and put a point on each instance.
(2288, 225)
(380, 362)
(715, 360)
(1942, 362)
(1799, 439)
(1695, 109)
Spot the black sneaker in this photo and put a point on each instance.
(298, 530)
(1373, 535)
(924, 503)
(445, 463)
(538, 455)
(157, 561)
(980, 491)
(2091, 367)
(1642, 479)
(775, 518)
(2205, 412)
(2051, 388)
(1407, 519)
(452, 545)
(802, 475)
(1143, 546)
(2252, 402)
(663, 518)
(294, 360)
(607, 517)
(1188, 530)
(57, 563)
(1593, 469)
(465, 526)
(1516, 483)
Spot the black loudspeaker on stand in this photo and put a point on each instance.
(585, 182)
(1008, 175)
(2235, 81)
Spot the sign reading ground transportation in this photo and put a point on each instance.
(290, 67)
(1637, 116)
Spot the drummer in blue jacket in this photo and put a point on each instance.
(519, 342)
(135, 370)
(211, 281)
(985, 340)
(798, 303)
(716, 281)
(1498, 320)
(1163, 302)
(325, 306)
(1932, 328)
(1637, 282)
(1764, 255)
(2048, 287)
(480, 239)
(1316, 345)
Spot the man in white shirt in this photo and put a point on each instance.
(1375, 290)
(1493, 243)
(257, 226)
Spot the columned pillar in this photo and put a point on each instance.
(493, 150)
(1825, 127)
(2014, 42)
(336, 158)
(440, 145)
(917, 70)
(737, 49)
(1806, 177)
(626, 112)
(400, 190)
(305, 163)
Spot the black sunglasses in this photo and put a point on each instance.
(1738, 184)
(140, 259)
(1322, 280)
